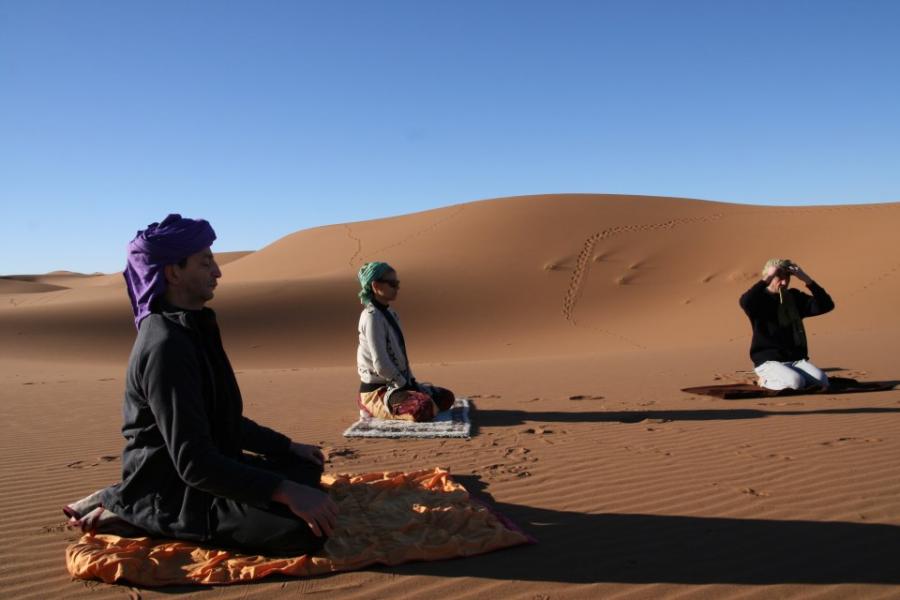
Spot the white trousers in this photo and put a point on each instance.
(795, 375)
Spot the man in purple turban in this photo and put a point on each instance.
(184, 471)
(161, 244)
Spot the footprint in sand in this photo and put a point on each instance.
(488, 443)
(514, 462)
(747, 377)
(348, 453)
(498, 470)
(779, 456)
(58, 528)
(80, 464)
(556, 266)
(850, 440)
(517, 452)
(538, 430)
(646, 449)
(854, 374)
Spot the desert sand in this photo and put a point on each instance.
(572, 321)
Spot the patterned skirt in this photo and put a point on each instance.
(420, 404)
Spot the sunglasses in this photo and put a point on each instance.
(394, 283)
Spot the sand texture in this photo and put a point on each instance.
(572, 322)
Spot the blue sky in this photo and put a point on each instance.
(269, 117)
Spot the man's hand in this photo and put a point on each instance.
(770, 273)
(312, 505)
(799, 273)
(308, 452)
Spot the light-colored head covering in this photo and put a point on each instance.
(788, 314)
(369, 272)
(152, 249)
(780, 263)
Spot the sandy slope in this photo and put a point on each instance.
(573, 321)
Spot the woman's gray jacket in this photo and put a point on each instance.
(380, 357)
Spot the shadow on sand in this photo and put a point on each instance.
(502, 417)
(638, 548)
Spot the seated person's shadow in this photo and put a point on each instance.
(575, 547)
(506, 418)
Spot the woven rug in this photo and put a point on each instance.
(453, 423)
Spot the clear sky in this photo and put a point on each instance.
(268, 117)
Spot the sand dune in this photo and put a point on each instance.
(573, 321)
(530, 276)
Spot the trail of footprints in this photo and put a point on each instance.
(582, 264)
(357, 255)
(875, 281)
(358, 245)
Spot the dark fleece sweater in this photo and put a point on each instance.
(772, 341)
(185, 431)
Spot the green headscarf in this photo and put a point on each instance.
(368, 273)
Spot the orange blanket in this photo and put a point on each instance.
(386, 518)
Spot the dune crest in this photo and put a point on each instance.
(495, 279)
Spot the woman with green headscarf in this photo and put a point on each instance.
(778, 348)
(388, 389)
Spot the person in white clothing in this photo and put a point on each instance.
(388, 389)
(776, 312)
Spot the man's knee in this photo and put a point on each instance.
(271, 530)
(779, 377)
(291, 466)
(785, 381)
(794, 381)
(296, 541)
(814, 375)
(444, 398)
(820, 379)
(305, 472)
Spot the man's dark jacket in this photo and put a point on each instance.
(185, 431)
(771, 340)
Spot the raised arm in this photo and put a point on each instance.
(817, 304)
(751, 299)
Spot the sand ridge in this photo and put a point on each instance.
(529, 276)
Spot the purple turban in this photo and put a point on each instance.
(159, 245)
